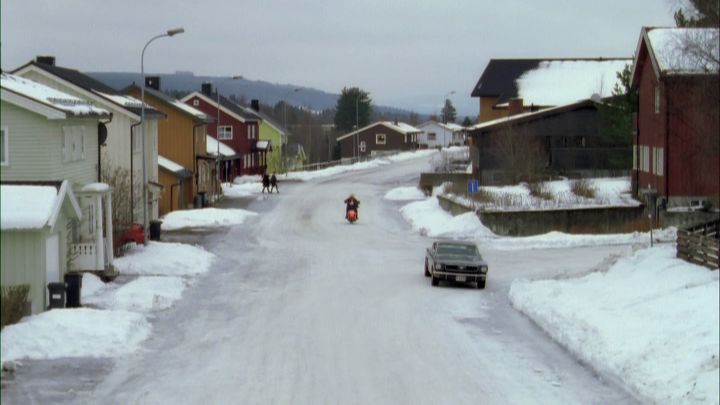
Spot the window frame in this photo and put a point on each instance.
(5, 158)
(223, 129)
(378, 137)
(363, 146)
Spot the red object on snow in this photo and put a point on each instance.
(352, 216)
(134, 234)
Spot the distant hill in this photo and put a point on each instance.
(267, 93)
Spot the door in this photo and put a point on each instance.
(52, 262)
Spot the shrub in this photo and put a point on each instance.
(14, 301)
(539, 189)
(582, 188)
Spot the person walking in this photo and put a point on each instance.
(273, 183)
(265, 183)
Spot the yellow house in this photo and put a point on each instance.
(183, 165)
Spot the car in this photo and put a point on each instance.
(455, 261)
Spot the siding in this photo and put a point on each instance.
(274, 158)
(35, 145)
(23, 262)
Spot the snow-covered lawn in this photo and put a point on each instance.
(205, 218)
(428, 218)
(144, 294)
(405, 194)
(80, 332)
(650, 322)
(165, 259)
(609, 192)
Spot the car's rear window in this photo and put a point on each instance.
(457, 250)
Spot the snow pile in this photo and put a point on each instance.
(165, 259)
(144, 294)
(204, 218)
(240, 190)
(650, 322)
(428, 218)
(80, 332)
(405, 194)
(91, 285)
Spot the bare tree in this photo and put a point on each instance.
(123, 200)
(520, 155)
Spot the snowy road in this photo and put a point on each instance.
(302, 308)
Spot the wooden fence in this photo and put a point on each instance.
(700, 244)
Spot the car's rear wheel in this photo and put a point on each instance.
(481, 284)
(427, 272)
(435, 281)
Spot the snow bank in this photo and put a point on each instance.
(205, 218)
(165, 259)
(377, 162)
(145, 294)
(650, 322)
(91, 285)
(80, 332)
(429, 219)
(405, 194)
(240, 190)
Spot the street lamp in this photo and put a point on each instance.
(356, 147)
(168, 33)
(445, 118)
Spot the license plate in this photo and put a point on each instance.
(459, 278)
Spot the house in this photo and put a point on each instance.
(184, 168)
(277, 137)
(676, 143)
(50, 138)
(37, 223)
(543, 83)
(564, 140)
(378, 138)
(239, 129)
(121, 157)
(222, 156)
(294, 158)
(435, 134)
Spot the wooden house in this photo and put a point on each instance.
(543, 83)
(379, 138)
(238, 129)
(565, 140)
(277, 137)
(437, 134)
(121, 157)
(182, 151)
(676, 141)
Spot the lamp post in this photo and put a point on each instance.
(357, 125)
(168, 33)
(445, 118)
(282, 145)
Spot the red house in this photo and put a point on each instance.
(675, 154)
(238, 129)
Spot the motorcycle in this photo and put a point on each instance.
(351, 215)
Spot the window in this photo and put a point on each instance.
(251, 131)
(645, 158)
(658, 161)
(362, 146)
(380, 139)
(5, 151)
(73, 143)
(657, 99)
(196, 102)
(432, 136)
(225, 132)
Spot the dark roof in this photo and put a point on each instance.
(531, 116)
(90, 84)
(500, 76)
(243, 112)
(172, 102)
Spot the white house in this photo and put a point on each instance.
(436, 134)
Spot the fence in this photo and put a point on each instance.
(700, 244)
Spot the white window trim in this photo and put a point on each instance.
(196, 103)
(6, 147)
(380, 136)
(224, 137)
(659, 161)
(362, 146)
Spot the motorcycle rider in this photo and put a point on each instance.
(352, 203)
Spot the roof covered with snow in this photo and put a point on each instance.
(213, 145)
(685, 50)
(549, 82)
(450, 126)
(29, 207)
(46, 95)
(400, 127)
(239, 112)
(187, 109)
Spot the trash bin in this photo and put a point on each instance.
(57, 295)
(155, 230)
(203, 199)
(198, 201)
(73, 283)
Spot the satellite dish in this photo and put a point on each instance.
(102, 133)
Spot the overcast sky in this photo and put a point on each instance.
(406, 53)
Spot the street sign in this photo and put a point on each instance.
(472, 186)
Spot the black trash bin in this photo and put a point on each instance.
(203, 199)
(198, 201)
(155, 230)
(73, 282)
(57, 295)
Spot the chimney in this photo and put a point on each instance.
(46, 60)
(255, 105)
(515, 106)
(153, 82)
(207, 89)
